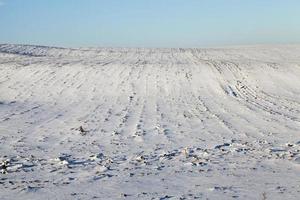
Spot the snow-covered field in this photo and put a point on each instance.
(150, 123)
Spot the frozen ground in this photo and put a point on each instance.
(150, 123)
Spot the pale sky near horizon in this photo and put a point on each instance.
(149, 23)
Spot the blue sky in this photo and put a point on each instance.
(149, 23)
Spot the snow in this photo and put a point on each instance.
(84, 123)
